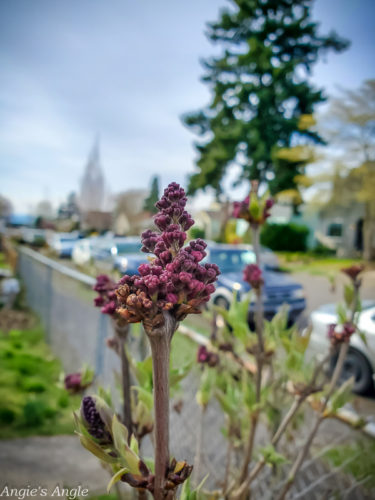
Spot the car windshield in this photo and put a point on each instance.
(231, 260)
(128, 247)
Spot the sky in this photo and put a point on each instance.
(126, 70)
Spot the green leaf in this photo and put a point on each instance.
(105, 394)
(117, 477)
(120, 436)
(143, 372)
(134, 445)
(145, 396)
(104, 411)
(348, 294)
(177, 374)
(96, 450)
(341, 313)
(271, 456)
(362, 337)
(342, 395)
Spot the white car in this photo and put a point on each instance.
(360, 361)
(83, 250)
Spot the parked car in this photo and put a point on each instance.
(63, 243)
(278, 289)
(122, 254)
(360, 361)
(83, 250)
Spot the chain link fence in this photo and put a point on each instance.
(76, 331)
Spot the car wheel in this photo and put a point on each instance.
(222, 302)
(357, 366)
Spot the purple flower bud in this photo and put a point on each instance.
(174, 280)
(72, 382)
(202, 355)
(93, 421)
(253, 275)
(109, 308)
(107, 299)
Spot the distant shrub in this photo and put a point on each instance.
(7, 416)
(34, 413)
(197, 232)
(321, 249)
(285, 237)
(34, 385)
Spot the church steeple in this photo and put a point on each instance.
(92, 193)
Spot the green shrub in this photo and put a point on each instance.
(31, 399)
(7, 416)
(196, 232)
(34, 413)
(285, 237)
(322, 250)
(33, 385)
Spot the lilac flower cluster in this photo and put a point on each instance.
(252, 274)
(204, 356)
(353, 272)
(174, 280)
(338, 334)
(254, 213)
(106, 298)
(73, 382)
(93, 421)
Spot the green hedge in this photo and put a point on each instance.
(285, 237)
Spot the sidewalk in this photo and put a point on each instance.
(50, 461)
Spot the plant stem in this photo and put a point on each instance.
(335, 378)
(160, 340)
(122, 335)
(259, 361)
(297, 403)
(127, 411)
(304, 451)
(228, 463)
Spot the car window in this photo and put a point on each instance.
(128, 247)
(231, 260)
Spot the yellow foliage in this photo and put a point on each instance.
(306, 122)
(290, 195)
(297, 154)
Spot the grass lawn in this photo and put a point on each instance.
(3, 262)
(297, 262)
(31, 401)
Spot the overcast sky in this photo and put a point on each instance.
(126, 69)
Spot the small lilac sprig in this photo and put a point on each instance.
(252, 274)
(173, 285)
(174, 280)
(106, 299)
(93, 420)
(353, 272)
(253, 209)
(204, 356)
(339, 334)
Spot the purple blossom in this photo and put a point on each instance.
(338, 334)
(107, 298)
(174, 280)
(207, 357)
(73, 381)
(254, 213)
(353, 271)
(93, 421)
(252, 274)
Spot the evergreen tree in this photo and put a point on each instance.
(153, 197)
(261, 98)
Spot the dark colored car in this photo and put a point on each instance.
(278, 288)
